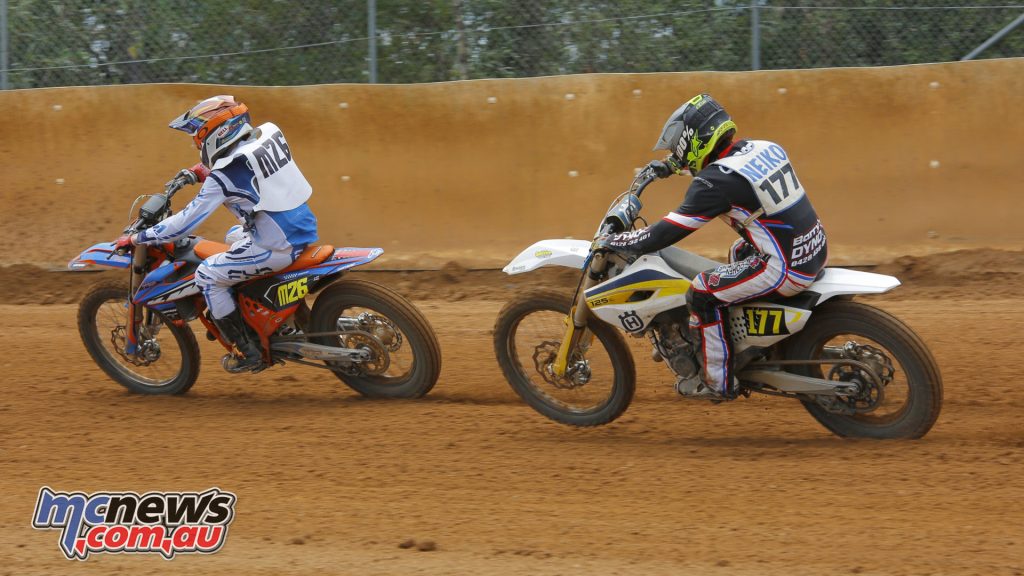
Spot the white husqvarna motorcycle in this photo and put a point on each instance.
(858, 370)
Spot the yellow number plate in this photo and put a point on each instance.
(292, 292)
(766, 321)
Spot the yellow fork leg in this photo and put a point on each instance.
(562, 359)
(575, 323)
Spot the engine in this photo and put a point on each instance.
(672, 342)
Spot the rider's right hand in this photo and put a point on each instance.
(194, 175)
(659, 169)
(123, 244)
(200, 171)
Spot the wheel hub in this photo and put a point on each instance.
(577, 372)
(870, 386)
(379, 360)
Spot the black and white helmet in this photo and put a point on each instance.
(695, 130)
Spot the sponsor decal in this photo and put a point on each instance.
(807, 245)
(165, 523)
(630, 238)
(542, 253)
(631, 321)
(714, 279)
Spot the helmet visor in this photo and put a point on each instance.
(191, 121)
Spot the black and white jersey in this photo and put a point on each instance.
(754, 188)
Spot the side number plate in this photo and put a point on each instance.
(292, 292)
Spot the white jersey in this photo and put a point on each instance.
(280, 184)
(261, 185)
(766, 166)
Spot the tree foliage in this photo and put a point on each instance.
(279, 42)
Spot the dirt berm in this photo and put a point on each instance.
(901, 160)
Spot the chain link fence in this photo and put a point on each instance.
(277, 42)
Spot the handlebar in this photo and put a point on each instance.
(637, 187)
(170, 189)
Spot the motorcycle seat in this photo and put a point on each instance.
(686, 263)
(311, 256)
(206, 248)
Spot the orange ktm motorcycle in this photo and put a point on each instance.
(370, 337)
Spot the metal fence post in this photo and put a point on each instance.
(995, 38)
(3, 45)
(371, 25)
(755, 34)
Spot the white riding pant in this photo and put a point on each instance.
(243, 261)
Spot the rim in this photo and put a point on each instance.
(385, 336)
(535, 338)
(109, 317)
(897, 397)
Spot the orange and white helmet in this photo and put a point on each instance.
(215, 124)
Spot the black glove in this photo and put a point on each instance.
(607, 244)
(663, 169)
(601, 243)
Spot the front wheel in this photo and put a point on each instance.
(600, 378)
(167, 361)
(405, 356)
(907, 401)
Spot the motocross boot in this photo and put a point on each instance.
(694, 387)
(246, 356)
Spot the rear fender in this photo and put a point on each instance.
(841, 281)
(343, 259)
(559, 252)
(101, 254)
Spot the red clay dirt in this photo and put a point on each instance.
(330, 483)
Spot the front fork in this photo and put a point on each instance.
(576, 320)
(136, 272)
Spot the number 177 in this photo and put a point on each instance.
(779, 177)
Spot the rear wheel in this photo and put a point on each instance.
(405, 355)
(168, 358)
(909, 398)
(600, 379)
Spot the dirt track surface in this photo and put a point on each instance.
(330, 483)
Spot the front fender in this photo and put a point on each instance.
(558, 252)
(101, 254)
